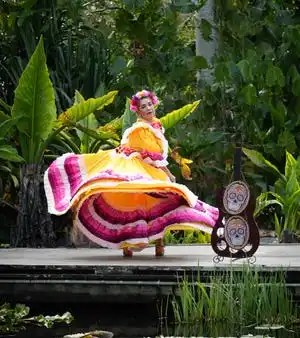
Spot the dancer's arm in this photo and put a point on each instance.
(168, 172)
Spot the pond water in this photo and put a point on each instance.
(135, 321)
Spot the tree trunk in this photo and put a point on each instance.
(34, 224)
(203, 47)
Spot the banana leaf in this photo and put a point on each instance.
(81, 110)
(78, 98)
(89, 122)
(259, 160)
(129, 117)
(93, 133)
(113, 127)
(34, 106)
(171, 119)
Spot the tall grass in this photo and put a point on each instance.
(242, 297)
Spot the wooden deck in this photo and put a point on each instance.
(81, 275)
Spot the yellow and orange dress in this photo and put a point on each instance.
(121, 197)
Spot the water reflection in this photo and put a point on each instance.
(223, 330)
(137, 321)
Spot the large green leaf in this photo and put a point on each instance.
(263, 204)
(113, 126)
(259, 160)
(34, 105)
(279, 186)
(89, 122)
(294, 199)
(199, 62)
(279, 113)
(222, 72)
(206, 29)
(292, 217)
(249, 93)
(81, 110)
(78, 98)
(287, 141)
(172, 118)
(292, 184)
(86, 127)
(275, 76)
(245, 69)
(290, 164)
(296, 86)
(129, 117)
(97, 135)
(10, 154)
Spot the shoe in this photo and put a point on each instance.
(127, 252)
(159, 248)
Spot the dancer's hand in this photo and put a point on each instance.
(172, 178)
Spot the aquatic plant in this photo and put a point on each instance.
(14, 319)
(241, 297)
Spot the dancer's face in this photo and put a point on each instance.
(146, 109)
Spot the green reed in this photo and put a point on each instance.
(242, 297)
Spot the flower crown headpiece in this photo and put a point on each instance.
(135, 100)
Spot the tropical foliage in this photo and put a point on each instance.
(34, 115)
(37, 128)
(285, 193)
(96, 49)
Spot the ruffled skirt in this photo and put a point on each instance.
(120, 202)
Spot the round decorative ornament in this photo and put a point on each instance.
(236, 197)
(237, 232)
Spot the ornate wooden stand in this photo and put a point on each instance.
(236, 234)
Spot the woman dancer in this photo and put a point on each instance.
(126, 198)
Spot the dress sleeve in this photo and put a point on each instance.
(146, 142)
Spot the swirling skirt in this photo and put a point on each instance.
(122, 202)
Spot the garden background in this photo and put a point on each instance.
(239, 58)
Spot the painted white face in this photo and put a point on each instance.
(236, 232)
(236, 197)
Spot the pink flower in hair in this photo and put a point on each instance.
(136, 98)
